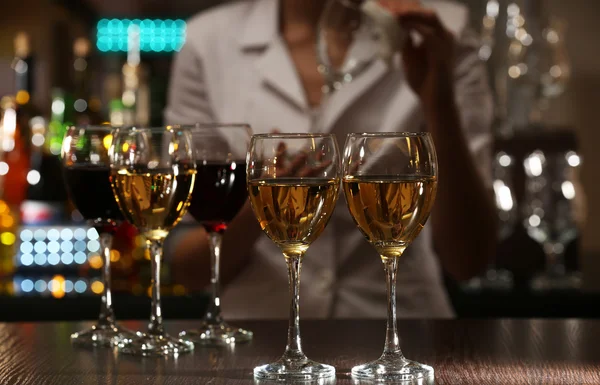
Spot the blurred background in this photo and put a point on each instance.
(66, 62)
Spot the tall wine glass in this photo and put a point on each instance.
(86, 168)
(550, 214)
(220, 192)
(293, 184)
(497, 278)
(152, 174)
(390, 182)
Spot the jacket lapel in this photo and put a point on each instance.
(260, 36)
(338, 102)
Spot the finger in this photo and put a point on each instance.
(314, 171)
(298, 163)
(425, 31)
(280, 155)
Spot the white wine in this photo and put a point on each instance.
(293, 211)
(154, 201)
(390, 210)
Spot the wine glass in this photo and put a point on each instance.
(86, 168)
(152, 175)
(293, 184)
(351, 35)
(390, 182)
(220, 192)
(550, 214)
(506, 205)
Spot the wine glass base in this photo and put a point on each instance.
(144, 344)
(288, 370)
(101, 335)
(216, 334)
(494, 279)
(565, 281)
(392, 369)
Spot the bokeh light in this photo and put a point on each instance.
(155, 35)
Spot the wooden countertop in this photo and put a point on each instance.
(478, 352)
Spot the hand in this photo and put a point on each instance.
(428, 65)
(300, 164)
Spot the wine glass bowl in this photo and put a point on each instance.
(293, 182)
(153, 173)
(550, 215)
(219, 194)
(347, 42)
(390, 183)
(86, 168)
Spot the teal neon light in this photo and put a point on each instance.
(155, 35)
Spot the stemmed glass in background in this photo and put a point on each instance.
(220, 192)
(550, 213)
(351, 36)
(293, 184)
(390, 182)
(86, 168)
(497, 278)
(152, 174)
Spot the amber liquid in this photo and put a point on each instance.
(153, 201)
(293, 212)
(390, 211)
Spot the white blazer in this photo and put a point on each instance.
(235, 67)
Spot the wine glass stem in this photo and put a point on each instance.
(293, 350)
(155, 327)
(554, 260)
(392, 342)
(107, 316)
(213, 314)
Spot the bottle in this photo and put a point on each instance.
(136, 92)
(86, 107)
(45, 198)
(13, 173)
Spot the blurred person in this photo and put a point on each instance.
(255, 61)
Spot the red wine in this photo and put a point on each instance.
(219, 193)
(90, 190)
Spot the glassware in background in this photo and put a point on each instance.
(220, 192)
(152, 174)
(550, 213)
(354, 34)
(526, 51)
(293, 184)
(506, 204)
(347, 42)
(86, 168)
(390, 183)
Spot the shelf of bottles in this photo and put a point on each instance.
(46, 249)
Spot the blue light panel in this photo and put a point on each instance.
(155, 35)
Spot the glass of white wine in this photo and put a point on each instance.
(293, 183)
(152, 176)
(390, 182)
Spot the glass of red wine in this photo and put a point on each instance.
(219, 193)
(86, 168)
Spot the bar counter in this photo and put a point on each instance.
(467, 351)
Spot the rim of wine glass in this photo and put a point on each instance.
(390, 134)
(191, 127)
(201, 125)
(293, 136)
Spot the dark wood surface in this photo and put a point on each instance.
(462, 352)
